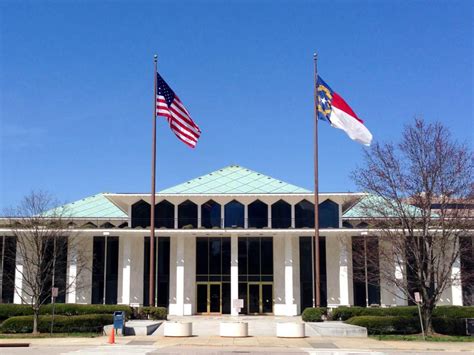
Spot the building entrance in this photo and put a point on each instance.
(260, 298)
(209, 298)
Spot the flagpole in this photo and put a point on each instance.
(151, 293)
(317, 295)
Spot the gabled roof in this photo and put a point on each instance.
(95, 206)
(234, 179)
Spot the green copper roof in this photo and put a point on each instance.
(376, 207)
(96, 206)
(234, 179)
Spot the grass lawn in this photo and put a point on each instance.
(418, 337)
(47, 335)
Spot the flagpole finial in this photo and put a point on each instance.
(155, 58)
(315, 55)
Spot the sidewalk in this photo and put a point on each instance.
(254, 343)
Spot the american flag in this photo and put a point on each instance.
(170, 106)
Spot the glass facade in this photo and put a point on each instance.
(359, 257)
(141, 214)
(257, 214)
(187, 215)
(466, 245)
(54, 248)
(7, 264)
(213, 275)
(328, 214)
(306, 271)
(256, 274)
(105, 262)
(281, 214)
(162, 278)
(304, 214)
(234, 215)
(211, 215)
(164, 215)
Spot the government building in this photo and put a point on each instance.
(231, 234)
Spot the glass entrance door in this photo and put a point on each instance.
(260, 298)
(209, 298)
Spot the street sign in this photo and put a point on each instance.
(417, 297)
(54, 292)
(238, 303)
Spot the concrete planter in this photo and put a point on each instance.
(290, 330)
(234, 329)
(178, 329)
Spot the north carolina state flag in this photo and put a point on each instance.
(333, 109)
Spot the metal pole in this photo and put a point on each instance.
(152, 206)
(316, 188)
(365, 269)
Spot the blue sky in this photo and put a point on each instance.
(76, 87)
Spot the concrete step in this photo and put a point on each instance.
(338, 329)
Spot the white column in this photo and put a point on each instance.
(18, 279)
(344, 261)
(234, 272)
(456, 287)
(293, 223)
(175, 216)
(199, 221)
(126, 266)
(269, 223)
(400, 297)
(180, 276)
(290, 306)
(72, 273)
(246, 216)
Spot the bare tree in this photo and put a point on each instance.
(418, 191)
(44, 244)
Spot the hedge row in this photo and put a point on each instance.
(378, 325)
(313, 314)
(62, 324)
(387, 324)
(344, 313)
(155, 313)
(67, 309)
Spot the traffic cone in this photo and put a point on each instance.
(112, 336)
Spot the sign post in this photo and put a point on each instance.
(54, 294)
(418, 300)
(238, 304)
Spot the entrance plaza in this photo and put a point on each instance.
(231, 234)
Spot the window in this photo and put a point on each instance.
(164, 215)
(255, 258)
(328, 214)
(54, 247)
(141, 214)
(307, 272)
(162, 278)
(211, 214)
(258, 214)
(359, 257)
(213, 270)
(7, 262)
(467, 269)
(281, 215)
(187, 215)
(234, 214)
(304, 214)
(105, 263)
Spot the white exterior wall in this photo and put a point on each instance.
(339, 271)
(84, 279)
